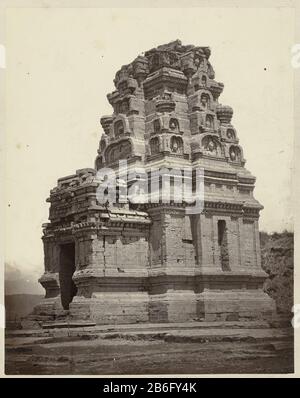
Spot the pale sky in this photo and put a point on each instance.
(61, 64)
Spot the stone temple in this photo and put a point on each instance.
(153, 261)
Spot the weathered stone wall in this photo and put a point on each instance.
(249, 243)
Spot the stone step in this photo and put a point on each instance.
(183, 325)
(192, 331)
(67, 325)
(89, 326)
(280, 339)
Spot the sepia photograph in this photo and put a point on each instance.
(148, 205)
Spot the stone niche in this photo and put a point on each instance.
(118, 151)
(154, 261)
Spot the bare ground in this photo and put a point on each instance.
(152, 354)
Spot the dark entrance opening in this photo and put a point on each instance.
(66, 270)
(223, 245)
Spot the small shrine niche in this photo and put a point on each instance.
(118, 128)
(230, 134)
(115, 152)
(204, 81)
(154, 145)
(173, 124)
(122, 107)
(235, 154)
(209, 121)
(211, 146)
(177, 145)
(205, 101)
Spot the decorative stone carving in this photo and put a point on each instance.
(123, 107)
(165, 104)
(204, 81)
(224, 114)
(211, 146)
(205, 101)
(115, 152)
(106, 122)
(230, 134)
(177, 145)
(118, 128)
(235, 153)
(216, 89)
(173, 124)
(209, 121)
(140, 68)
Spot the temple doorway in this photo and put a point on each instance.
(66, 270)
(223, 245)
